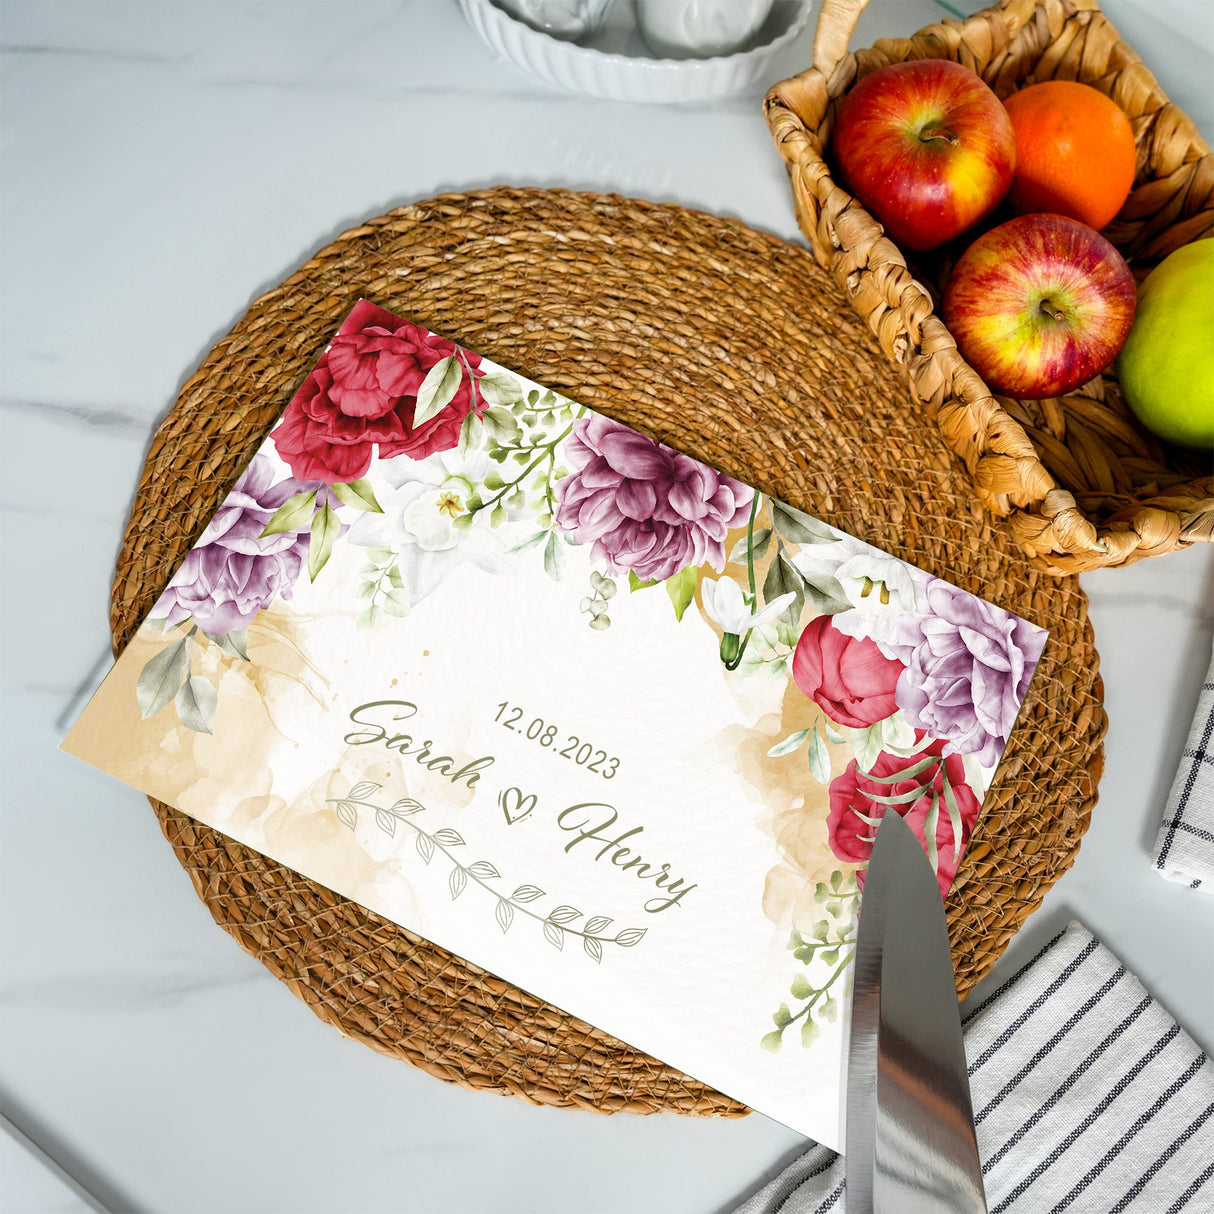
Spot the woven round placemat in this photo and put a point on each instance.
(727, 343)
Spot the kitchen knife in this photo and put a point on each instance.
(909, 1142)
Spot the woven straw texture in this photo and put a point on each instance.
(1083, 484)
(731, 345)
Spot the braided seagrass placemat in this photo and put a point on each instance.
(727, 343)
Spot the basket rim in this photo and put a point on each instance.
(1009, 475)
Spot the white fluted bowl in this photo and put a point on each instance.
(612, 76)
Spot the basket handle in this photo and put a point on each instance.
(836, 21)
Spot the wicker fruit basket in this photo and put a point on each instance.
(1082, 484)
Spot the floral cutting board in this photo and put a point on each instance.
(569, 703)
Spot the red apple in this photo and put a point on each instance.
(1040, 305)
(927, 148)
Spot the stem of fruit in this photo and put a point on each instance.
(930, 133)
(1050, 309)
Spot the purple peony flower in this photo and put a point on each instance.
(644, 506)
(968, 666)
(231, 574)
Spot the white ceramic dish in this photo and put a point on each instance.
(615, 65)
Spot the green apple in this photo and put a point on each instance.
(1166, 366)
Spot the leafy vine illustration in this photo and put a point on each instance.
(828, 953)
(557, 924)
(523, 435)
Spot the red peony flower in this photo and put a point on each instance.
(851, 680)
(851, 803)
(362, 393)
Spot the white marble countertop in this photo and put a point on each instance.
(163, 164)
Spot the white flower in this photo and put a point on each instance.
(418, 520)
(886, 595)
(725, 603)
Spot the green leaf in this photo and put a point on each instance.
(801, 988)
(395, 579)
(502, 423)
(593, 948)
(498, 516)
(467, 431)
(799, 527)
(930, 826)
(358, 495)
(292, 515)
(379, 554)
(866, 746)
(554, 935)
(830, 1009)
(630, 936)
(530, 542)
(830, 955)
(832, 734)
(493, 479)
(821, 931)
(526, 893)
(782, 578)
(438, 389)
(823, 592)
(457, 881)
(761, 541)
(195, 701)
(160, 678)
(462, 522)
(682, 589)
(819, 758)
(235, 643)
(425, 848)
(499, 388)
(954, 812)
(898, 776)
(635, 583)
(809, 1032)
(790, 743)
(772, 1042)
(821, 893)
(598, 923)
(782, 1016)
(395, 603)
(836, 880)
(347, 814)
(554, 557)
(504, 915)
(325, 528)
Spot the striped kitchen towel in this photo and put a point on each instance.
(1088, 1097)
(1184, 850)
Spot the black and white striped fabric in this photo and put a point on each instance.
(1184, 850)
(1088, 1097)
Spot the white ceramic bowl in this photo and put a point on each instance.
(607, 74)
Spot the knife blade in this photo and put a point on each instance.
(909, 1141)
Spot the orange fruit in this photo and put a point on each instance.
(1075, 153)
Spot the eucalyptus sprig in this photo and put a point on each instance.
(827, 956)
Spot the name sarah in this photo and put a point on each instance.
(380, 717)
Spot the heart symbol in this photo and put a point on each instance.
(514, 805)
